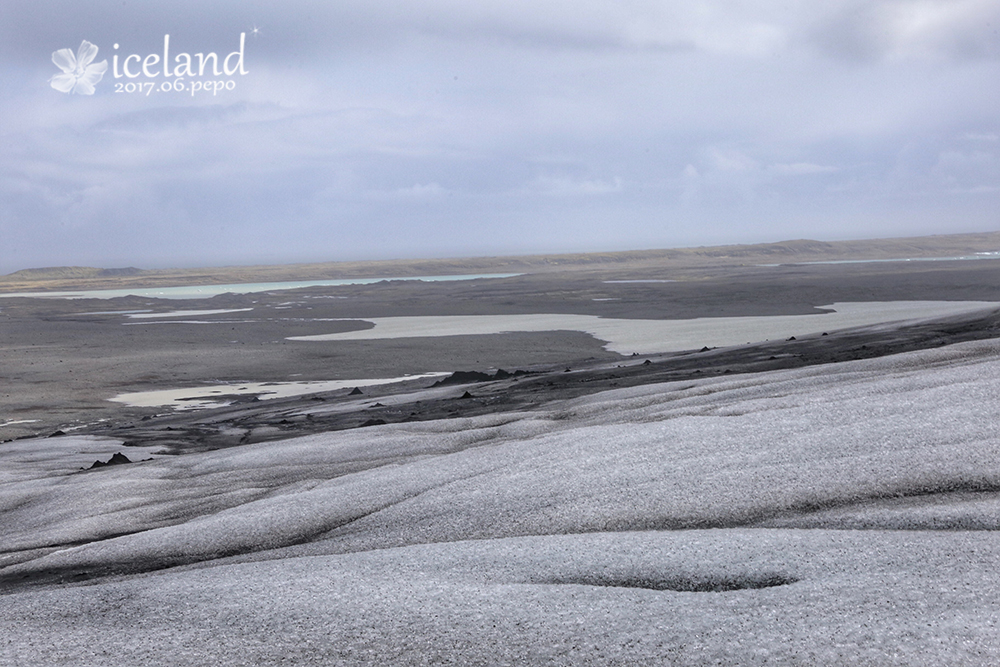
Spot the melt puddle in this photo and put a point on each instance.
(188, 313)
(198, 398)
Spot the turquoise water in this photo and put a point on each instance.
(978, 255)
(207, 291)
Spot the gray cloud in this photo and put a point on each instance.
(902, 29)
(427, 128)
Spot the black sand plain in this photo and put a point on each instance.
(62, 360)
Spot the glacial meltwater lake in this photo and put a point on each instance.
(627, 336)
(208, 291)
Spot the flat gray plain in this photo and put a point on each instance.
(61, 363)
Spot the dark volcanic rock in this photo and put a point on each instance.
(463, 377)
(356, 392)
(466, 377)
(117, 459)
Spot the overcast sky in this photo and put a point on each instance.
(367, 129)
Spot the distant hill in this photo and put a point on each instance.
(69, 273)
(785, 252)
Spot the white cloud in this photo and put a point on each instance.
(972, 172)
(800, 169)
(977, 190)
(565, 186)
(730, 160)
(420, 191)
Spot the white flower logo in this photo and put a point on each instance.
(79, 75)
